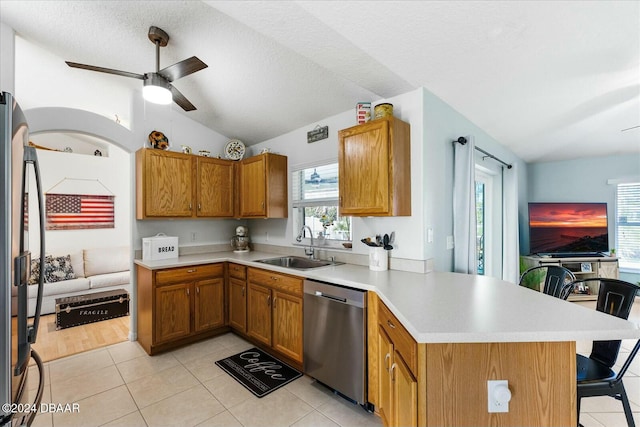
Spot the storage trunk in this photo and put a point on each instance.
(82, 309)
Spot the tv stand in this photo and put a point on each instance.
(572, 255)
(583, 267)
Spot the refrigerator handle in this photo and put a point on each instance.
(30, 156)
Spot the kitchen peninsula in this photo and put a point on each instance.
(459, 332)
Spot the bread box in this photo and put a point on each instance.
(159, 246)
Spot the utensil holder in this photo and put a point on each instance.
(378, 259)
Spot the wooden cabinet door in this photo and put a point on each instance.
(385, 360)
(405, 394)
(252, 183)
(238, 304)
(216, 188)
(363, 161)
(608, 269)
(259, 313)
(287, 325)
(173, 311)
(209, 304)
(168, 187)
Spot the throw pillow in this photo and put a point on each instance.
(35, 271)
(58, 268)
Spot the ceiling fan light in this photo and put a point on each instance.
(156, 90)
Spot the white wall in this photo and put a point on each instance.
(57, 166)
(408, 243)
(7, 47)
(442, 125)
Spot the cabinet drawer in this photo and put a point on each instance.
(402, 340)
(290, 284)
(238, 271)
(187, 274)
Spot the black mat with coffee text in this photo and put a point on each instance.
(257, 371)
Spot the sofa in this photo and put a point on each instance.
(78, 272)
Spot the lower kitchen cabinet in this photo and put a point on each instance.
(259, 309)
(394, 360)
(398, 388)
(237, 288)
(209, 304)
(287, 325)
(173, 312)
(274, 312)
(179, 305)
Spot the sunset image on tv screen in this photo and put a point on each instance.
(568, 227)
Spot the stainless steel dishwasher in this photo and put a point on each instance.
(335, 339)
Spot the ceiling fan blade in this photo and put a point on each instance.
(182, 68)
(180, 99)
(105, 70)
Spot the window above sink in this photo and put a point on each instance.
(315, 204)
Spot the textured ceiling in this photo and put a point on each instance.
(550, 80)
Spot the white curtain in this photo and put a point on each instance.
(465, 258)
(510, 245)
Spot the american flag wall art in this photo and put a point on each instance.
(79, 211)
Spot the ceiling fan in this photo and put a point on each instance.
(157, 85)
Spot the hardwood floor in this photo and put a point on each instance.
(51, 344)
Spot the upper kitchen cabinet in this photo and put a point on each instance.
(262, 182)
(374, 161)
(175, 185)
(164, 184)
(215, 187)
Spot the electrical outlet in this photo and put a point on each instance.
(193, 236)
(498, 396)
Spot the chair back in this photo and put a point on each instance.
(555, 280)
(615, 297)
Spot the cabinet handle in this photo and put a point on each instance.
(187, 291)
(393, 377)
(274, 302)
(199, 207)
(391, 325)
(340, 201)
(190, 206)
(269, 300)
(198, 290)
(192, 270)
(243, 291)
(386, 365)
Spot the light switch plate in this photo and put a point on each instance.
(449, 242)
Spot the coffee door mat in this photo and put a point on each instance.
(257, 371)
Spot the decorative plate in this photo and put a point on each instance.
(158, 140)
(234, 149)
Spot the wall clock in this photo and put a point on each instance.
(234, 149)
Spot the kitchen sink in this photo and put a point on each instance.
(298, 263)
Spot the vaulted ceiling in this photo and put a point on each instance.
(551, 80)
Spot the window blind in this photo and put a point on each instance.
(628, 223)
(315, 186)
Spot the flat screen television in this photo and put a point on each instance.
(568, 229)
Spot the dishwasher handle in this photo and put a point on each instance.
(331, 297)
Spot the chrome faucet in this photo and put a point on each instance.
(310, 252)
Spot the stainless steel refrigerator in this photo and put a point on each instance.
(19, 187)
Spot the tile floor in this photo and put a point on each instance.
(121, 386)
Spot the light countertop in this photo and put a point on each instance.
(441, 307)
